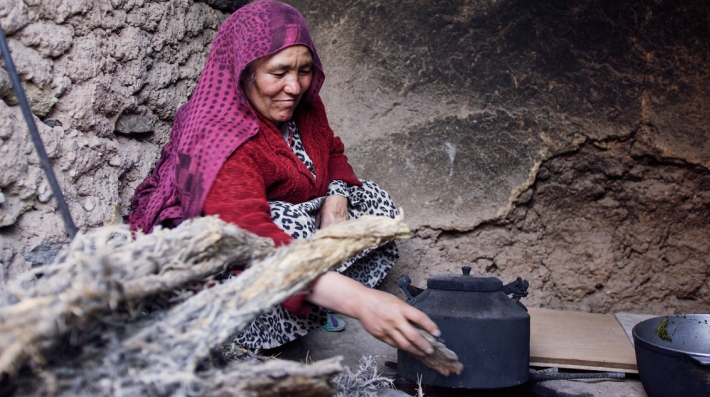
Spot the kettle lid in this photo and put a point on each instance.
(465, 282)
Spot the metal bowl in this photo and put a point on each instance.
(673, 355)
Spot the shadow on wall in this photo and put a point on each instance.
(484, 91)
(564, 141)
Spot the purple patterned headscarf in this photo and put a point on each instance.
(218, 117)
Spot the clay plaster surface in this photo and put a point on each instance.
(108, 76)
(564, 142)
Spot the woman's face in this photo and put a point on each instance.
(280, 80)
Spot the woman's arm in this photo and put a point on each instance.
(383, 315)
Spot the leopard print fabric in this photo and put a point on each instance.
(370, 199)
(278, 326)
(296, 144)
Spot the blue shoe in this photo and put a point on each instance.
(333, 324)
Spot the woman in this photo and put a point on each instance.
(253, 146)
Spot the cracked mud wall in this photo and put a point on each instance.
(566, 142)
(605, 228)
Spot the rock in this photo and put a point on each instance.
(52, 123)
(5, 84)
(61, 84)
(13, 16)
(133, 124)
(60, 10)
(459, 152)
(2, 198)
(43, 254)
(30, 64)
(51, 40)
(44, 193)
(89, 204)
(41, 100)
(84, 61)
(115, 161)
(12, 208)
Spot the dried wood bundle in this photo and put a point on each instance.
(164, 353)
(275, 378)
(249, 378)
(443, 360)
(106, 267)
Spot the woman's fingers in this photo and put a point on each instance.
(388, 340)
(409, 344)
(415, 340)
(396, 339)
(418, 317)
(394, 325)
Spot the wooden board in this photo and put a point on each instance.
(628, 320)
(577, 340)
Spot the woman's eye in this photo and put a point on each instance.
(279, 74)
(305, 72)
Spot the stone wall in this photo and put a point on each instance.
(567, 142)
(105, 78)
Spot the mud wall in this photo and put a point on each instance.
(104, 79)
(566, 142)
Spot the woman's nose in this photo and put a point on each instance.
(293, 85)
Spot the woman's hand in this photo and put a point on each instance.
(383, 315)
(334, 209)
(390, 320)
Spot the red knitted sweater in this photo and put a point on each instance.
(265, 168)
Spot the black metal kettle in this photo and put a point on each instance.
(489, 331)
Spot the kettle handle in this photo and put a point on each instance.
(519, 289)
(405, 283)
